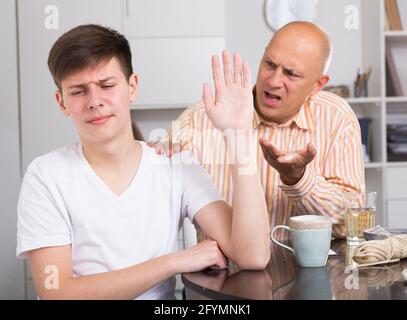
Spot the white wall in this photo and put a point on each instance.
(246, 31)
(11, 271)
(154, 122)
(347, 54)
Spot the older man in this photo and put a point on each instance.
(309, 153)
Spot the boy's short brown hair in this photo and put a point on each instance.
(86, 46)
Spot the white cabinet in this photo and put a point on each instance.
(172, 70)
(43, 126)
(175, 18)
(396, 180)
(397, 214)
(172, 44)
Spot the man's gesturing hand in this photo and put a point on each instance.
(290, 165)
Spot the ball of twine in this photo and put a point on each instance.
(375, 252)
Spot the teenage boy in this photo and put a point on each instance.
(99, 219)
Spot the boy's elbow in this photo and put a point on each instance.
(257, 261)
(260, 263)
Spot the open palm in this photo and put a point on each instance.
(232, 105)
(290, 165)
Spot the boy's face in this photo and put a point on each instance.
(98, 99)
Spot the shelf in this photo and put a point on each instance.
(396, 99)
(372, 165)
(395, 34)
(396, 164)
(364, 100)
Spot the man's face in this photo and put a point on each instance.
(289, 72)
(98, 99)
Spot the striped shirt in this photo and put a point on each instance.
(326, 121)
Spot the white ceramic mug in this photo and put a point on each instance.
(310, 239)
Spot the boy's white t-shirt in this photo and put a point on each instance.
(62, 201)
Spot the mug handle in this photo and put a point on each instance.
(277, 242)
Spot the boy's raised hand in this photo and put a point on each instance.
(232, 105)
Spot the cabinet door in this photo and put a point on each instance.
(172, 70)
(396, 183)
(397, 214)
(175, 18)
(43, 126)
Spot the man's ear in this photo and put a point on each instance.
(61, 103)
(320, 84)
(133, 83)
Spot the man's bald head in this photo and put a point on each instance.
(313, 35)
(293, 69)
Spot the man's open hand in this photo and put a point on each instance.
(290, 165)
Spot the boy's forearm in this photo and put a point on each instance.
(126, 283)
(250, 224)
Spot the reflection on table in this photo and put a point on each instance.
(283, 279)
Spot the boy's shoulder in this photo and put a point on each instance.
(56, 160)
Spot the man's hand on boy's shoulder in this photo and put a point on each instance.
(166, 148)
